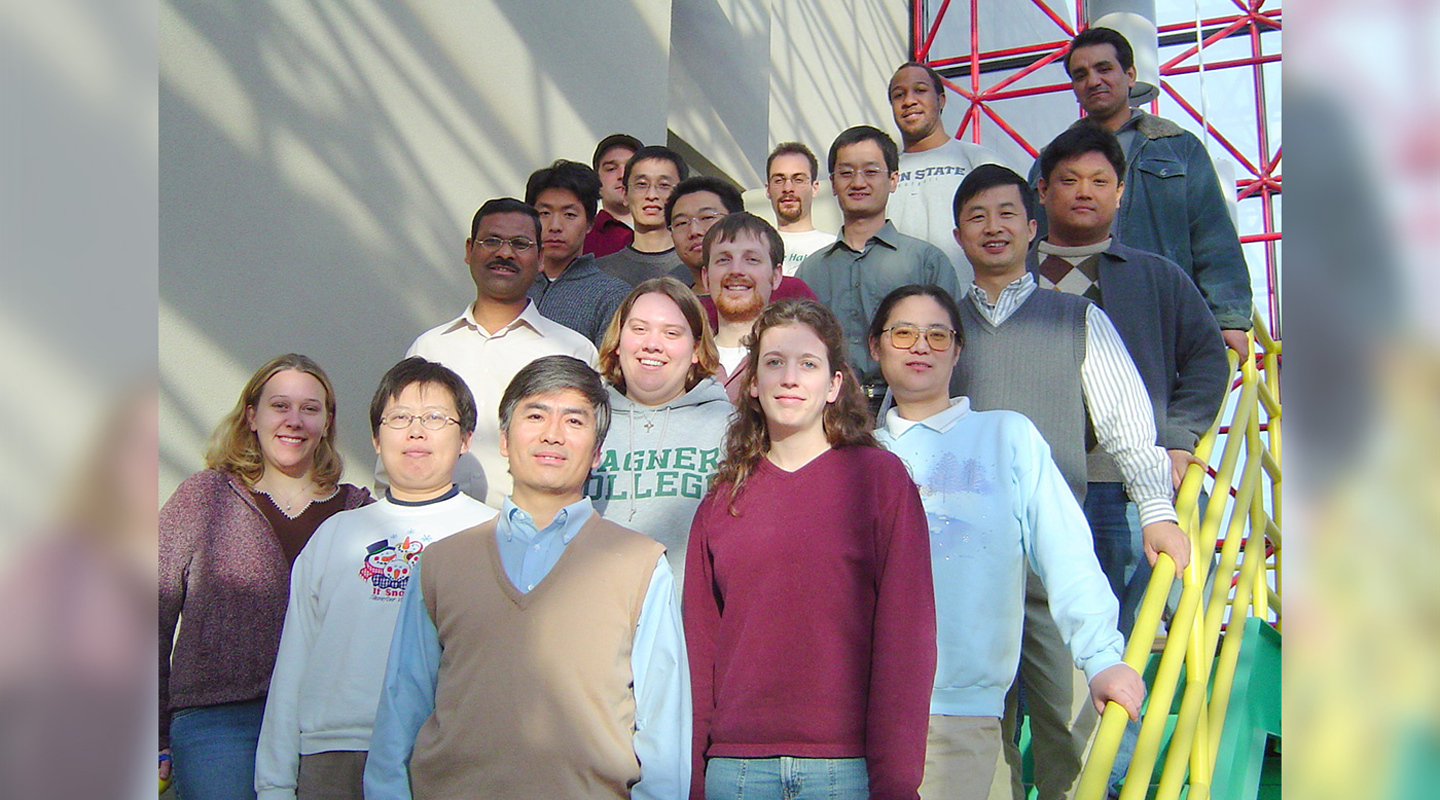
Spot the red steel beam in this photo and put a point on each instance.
(934, 29)
(1238, 62)
(1234, 151)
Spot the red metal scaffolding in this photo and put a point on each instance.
(1261, 181)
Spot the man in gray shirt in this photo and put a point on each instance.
(650, 176)
(870, 258)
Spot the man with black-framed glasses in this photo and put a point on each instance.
(650, 176)
(346, 587)
(497, 335)
(870, 258)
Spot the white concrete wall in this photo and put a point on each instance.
(320, 163)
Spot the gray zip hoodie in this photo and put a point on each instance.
(657, 463)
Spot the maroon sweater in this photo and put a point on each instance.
(223, 569)
(810, 618)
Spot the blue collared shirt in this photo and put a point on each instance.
(657, 663)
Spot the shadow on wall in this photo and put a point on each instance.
(320, 164)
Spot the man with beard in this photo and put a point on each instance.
(497, 335)
(743, 258)
(695, 205)
(792, 186)
(932, 164)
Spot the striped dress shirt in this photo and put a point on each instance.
(1115, 399)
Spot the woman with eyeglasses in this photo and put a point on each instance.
(668, 415)
(228, 537)
(809, 617)
(995, 501)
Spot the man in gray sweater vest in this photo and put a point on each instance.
(1057, 359)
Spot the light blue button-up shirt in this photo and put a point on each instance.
(657, 663)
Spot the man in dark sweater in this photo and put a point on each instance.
(1057, 359)
(650, 176)
(1168, 330)
(570, 289)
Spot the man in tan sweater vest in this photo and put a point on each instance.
(539, 654)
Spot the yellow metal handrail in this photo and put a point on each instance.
(1241, 588)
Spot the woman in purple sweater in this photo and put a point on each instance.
(808, 605)
(228, 536)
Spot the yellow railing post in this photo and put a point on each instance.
(1193, 642)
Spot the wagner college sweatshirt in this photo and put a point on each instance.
(345, 593)
(656, 464)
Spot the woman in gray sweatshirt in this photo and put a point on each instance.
(668, 415)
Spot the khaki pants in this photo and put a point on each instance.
(960, 757)
(333, 775)
(1057, 700)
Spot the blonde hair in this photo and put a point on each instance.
(705, 366)
(235, 449)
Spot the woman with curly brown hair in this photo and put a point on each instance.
(228, 537)
(808, 605)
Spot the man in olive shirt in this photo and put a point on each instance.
(870, 258)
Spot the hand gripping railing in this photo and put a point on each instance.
(1249, 555)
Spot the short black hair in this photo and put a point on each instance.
(417, 370)
(732, 225)
(573, 177)
(988, 176)
(611, 142)
(1085, 136)
(504, 205)
(793, 148)
(863, 133)
(556, 374)
(661, 152)
(725, 190)
(1093, 36)
(929, 70)
(938, 294)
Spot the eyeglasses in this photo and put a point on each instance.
(846, 174)
(903, 337)
(519, 244)
(780, 181)
(705, 219)
(431, 420)
(643, 185)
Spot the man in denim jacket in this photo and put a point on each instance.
(1173, 203)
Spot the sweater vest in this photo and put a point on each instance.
(534, 695)
(1031, 364)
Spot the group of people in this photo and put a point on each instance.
(686, 504)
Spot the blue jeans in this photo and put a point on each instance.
(214, 750)
(1115, 527)
(787, 778)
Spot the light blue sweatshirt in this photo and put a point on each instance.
(994, 498)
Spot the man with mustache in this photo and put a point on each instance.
(497, 334)
(743, 258)
(792, 186)
(1173, 204)
(695, 205)
(932, 163)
